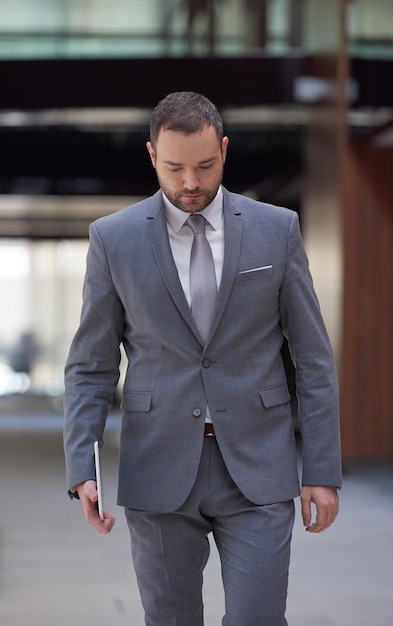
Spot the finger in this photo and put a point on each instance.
(89, 498)
(103, 526)
(90, 490)
(317, 527)
(325, 518)
(109, 522)
(306, 510)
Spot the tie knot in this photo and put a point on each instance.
(197, 223)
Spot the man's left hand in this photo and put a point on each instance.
(326, 502)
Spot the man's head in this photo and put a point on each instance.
(187, 149)
(185, 112)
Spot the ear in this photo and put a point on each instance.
(224, 147)
(151, 153)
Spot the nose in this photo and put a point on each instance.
(190, 180)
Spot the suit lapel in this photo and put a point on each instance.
(158, 232)
(233, 226)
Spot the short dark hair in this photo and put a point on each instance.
(185, 112)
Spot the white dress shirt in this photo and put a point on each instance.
(181, 237)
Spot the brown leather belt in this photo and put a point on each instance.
(209, 430)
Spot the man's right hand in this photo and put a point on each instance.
(88, 496)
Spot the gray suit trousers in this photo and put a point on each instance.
(170, 552)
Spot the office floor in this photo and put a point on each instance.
(56, 570)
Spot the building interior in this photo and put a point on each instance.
(306, 93)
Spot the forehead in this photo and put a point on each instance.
(180, 147)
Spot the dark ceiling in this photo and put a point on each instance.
(69, 157)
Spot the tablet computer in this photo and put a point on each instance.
(99, 480)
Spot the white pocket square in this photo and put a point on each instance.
(257, 269)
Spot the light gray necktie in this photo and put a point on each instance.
(202, 276)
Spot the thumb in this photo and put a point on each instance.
(90, 490)
(305, 499)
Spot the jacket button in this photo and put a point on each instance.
(206, 363)
(197, 412)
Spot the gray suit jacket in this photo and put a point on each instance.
(132, 294)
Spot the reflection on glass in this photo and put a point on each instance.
(156, 28)
(370, 28)
(129, 28)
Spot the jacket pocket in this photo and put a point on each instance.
(262, 273)
(274, 396)
(137, 401)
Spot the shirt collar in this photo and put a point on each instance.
(177, 218)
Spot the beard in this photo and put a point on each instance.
(191, 200)
(182, 200)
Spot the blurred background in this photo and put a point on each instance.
(305, 88)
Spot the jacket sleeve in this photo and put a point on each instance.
(316, 379)
(92, 367)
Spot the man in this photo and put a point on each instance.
(207, 439)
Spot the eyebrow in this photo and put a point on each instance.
(203, 162)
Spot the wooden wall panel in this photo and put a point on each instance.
(324, 147)
(347, 221)
(367, 355)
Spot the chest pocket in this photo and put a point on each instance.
(263, 273)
